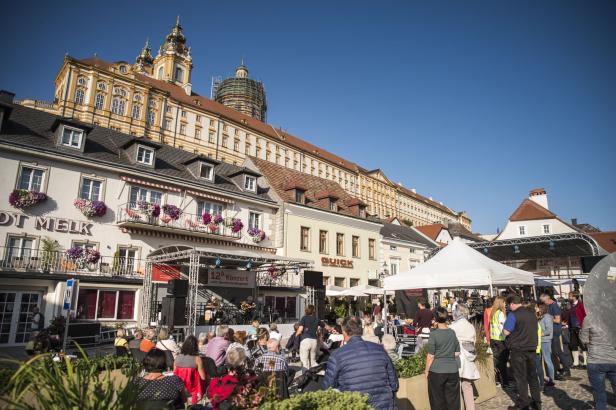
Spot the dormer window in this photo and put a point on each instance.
(250, 183)
(207, 171)
(72, 137)
(145, 155)
(362, 211)
(300, 196)
(333, 205)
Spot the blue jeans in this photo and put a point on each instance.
(546, 352)
(597, 372)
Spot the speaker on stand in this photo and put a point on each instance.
(173, 311)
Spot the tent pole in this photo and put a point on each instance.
(491, 290)
(385, 310)
(535, 292)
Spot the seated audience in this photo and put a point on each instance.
(273, 332)
(261, 347)
(157, 391)
(202, 343)
(369, 335)
(293, 342)
(147, 343)
(120, 343)
(239, 342)
(166, 343)
(272, 360)
(217, 347)
(189, 367)
(134, 344)
(221, 389)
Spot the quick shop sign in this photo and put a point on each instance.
(46, 223)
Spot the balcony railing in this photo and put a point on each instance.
(128, 214)
(289, 279)
(33, 260)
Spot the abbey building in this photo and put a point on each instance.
(153, 98)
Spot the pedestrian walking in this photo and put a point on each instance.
(601, 360)
(441, 365)
(521, 329)
(465, 332)
(546, 323)
(576, 320)
(307, 332)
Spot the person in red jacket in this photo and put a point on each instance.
(578, 313)
(223, 391)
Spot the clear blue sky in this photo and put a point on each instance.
(471, 102)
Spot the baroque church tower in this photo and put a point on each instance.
(173, 62)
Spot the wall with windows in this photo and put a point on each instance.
(315, 234)
(537, 227)
(400, 256)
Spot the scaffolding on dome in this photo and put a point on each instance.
(261, 263)
(245, 95)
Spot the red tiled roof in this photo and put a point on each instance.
(279, 178)
(431, 231)
(530, 210)
(606, 240)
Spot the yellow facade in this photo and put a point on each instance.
(123, 97)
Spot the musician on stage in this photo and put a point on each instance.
(248, 308)
(211, 310)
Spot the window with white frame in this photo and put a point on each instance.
(545, 228)
(71, 137)
(151, 117)
(99, 101)
(31, 178)
(136, 111)
(206, 171)
(182, 129)
(117, 106)
(212, 208)
(145, 155)
(197, 133)
(79, 96)
(178, 74)
(85, 245)
(254, 220)
(522, 230)
(82, 81)
(101, 86)
(250, 183)
(160, 73)
(20, 248)
(144, 194)
(126, 259)
(395, 266)
(91, 189)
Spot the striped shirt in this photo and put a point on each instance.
(271, 362)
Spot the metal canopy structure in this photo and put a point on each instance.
(545, 246)
(261, 263)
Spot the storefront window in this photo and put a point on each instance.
(86, 304)
(126, 304)
(107, 304)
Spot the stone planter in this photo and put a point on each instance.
(486, 385)
(413, 394)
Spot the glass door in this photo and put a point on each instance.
(24, 319)
(16, 315)
(7, 303)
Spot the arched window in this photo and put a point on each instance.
(81, 81)
(178, 74)
(136, 112)
(117, 106)
(160, 73)
(99, 101)
(79, 95)
(137, 97)
(151, 117)
(101, 86)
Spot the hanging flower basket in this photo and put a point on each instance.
(256, 234)
(83, 257)
(23, 198)
(218, 219)
(148, 208)
(206, 217)
(172, 211)
(213, 227)
(90, 208)
(237, 225)
(274, 273)
(134, 215)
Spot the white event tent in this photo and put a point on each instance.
(459, 266)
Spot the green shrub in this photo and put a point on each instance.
(41, 383)
(412, 366)
(327, 400)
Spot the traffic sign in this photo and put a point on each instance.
(68, 294)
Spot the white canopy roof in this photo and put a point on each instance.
(371, 290)
(459, 266)
(333, 290)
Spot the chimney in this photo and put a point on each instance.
(6, 96)
(574, 221)
(539, 196)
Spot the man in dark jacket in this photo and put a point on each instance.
(521, 329)
(362, 366)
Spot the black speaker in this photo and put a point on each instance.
(173, 311)
(178, 287)
(319, 301)
(313, 278)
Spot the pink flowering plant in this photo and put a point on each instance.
(23, 198)
(82, 257)
(90, 208)
(218, 219)
(206, 218)
(172, 211)
(256, 234)
(149, 209)
(237, 225)
(274, 272)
